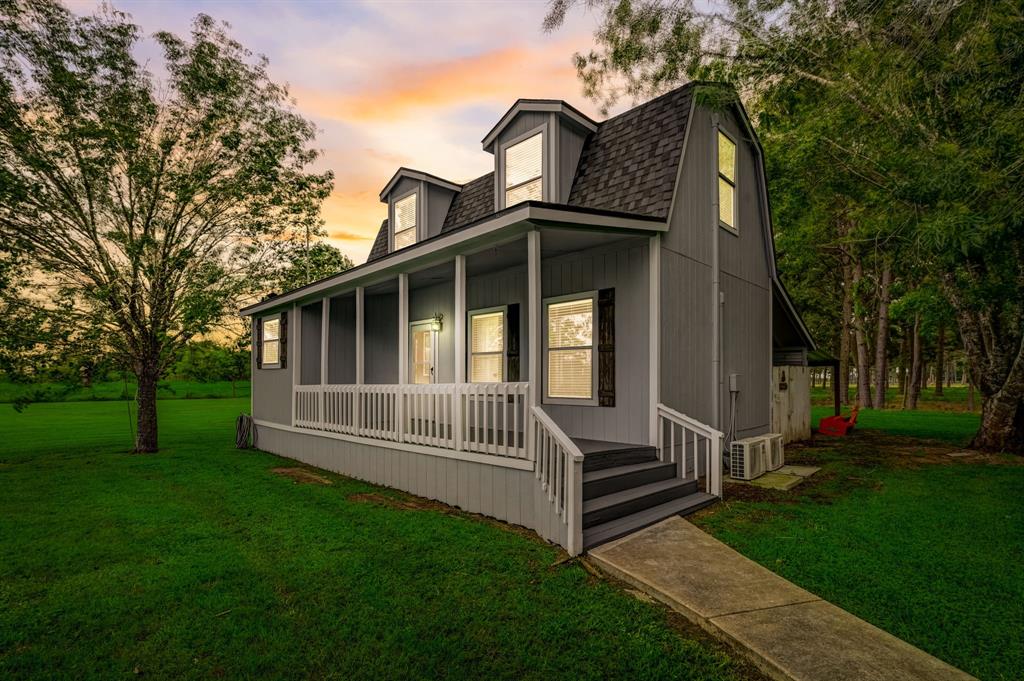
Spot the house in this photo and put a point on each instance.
(564, 343)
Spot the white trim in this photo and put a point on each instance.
(296, 325)
(325, 321)
(433, 341)
(521, 105)
(578, 401)
(393, 222)
(417, 175)
(465, 241)
(545, 154)
(260, 320)
(499, 461)
(734, 228)
(503, 309)
(654, 322)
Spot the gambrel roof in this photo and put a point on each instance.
(628, 165)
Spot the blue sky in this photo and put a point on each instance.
(394, 83)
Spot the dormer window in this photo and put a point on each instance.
(405, 221)
(524, 175)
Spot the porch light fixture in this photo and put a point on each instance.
(435, 323)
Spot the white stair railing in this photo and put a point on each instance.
(689, 443)
(559, 468)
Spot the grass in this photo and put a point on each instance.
(118, 390)
(954, 398)
(199, 561)
(956, 428)
(891, 529)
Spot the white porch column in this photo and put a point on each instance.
(460, 347)
(295, 331)
(534, 316)
(403, 349)
(360, 375)
(325, 320)
(654, 322)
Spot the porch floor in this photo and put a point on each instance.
(588, 446)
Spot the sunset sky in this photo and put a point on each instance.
(395, 83)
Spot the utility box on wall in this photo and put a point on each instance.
(791, 402)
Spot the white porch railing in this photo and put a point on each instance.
(692, 445)
(486, 418)
(559, 468)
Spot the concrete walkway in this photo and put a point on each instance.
(788, 632)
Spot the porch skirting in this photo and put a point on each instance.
(511, 494)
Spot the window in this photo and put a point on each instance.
(487, 346)
(405, 221)
(570, 349)
(524, 162)
(271, 342)
(726, 181)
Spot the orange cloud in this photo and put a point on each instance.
(499, 75)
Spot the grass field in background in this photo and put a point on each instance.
(954, 398)
(117, 390)
(925, 546)
(200, 561)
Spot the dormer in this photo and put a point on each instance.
(536, 147)
(417, 204)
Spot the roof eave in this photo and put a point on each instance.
(564, 109)
(417, 175)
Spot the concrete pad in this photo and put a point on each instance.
(802, 471)
(695, 571)
(777, 480)
(817, 640)
(789, 633)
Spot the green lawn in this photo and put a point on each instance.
(116, 390)
(949, 426)
(954, 398)
(199, 562)
(927, 547)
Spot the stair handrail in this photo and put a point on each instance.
(559, 469)
(714, 450)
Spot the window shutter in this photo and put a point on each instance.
(284, 340)
(512, 342)
(257, 341)
(606, 347)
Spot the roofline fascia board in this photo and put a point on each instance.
(494, 230)
(554, 106)
(417, 175)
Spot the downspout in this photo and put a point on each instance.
(716, 287)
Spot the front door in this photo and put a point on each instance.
(424, 352)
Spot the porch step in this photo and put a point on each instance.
(612, 506)
(613, 529)
(599, 456)
(604, 481)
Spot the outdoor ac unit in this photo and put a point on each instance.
(748, 458)
(776, 453)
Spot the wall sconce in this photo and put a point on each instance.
(782, 381)
(436, 322)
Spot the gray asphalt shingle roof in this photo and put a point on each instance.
(628, 165)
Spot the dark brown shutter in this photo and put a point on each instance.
(257, 340)
(606, 347)
(283, 343)
(512, 346)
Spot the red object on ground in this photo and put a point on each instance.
(838, 425)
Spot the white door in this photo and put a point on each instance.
(423, 349)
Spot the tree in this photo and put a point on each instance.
(153, 206)
(303, 264)
(921, 104)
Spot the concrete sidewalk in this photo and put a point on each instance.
(789, 633)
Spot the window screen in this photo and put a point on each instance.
(405, 222)
(524, 163)
(570, 351)
(726, 181)
(487, 347)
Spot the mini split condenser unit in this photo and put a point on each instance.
(775, 451)
(747, 458)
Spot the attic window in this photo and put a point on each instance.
(405, 221)
(726, 181)
(524, 162)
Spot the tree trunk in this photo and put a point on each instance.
(882, 336)
(844, 337)
(1002, 424)
(863, 386)
(147, 375)
(904, 368)
(916, 366)
(940, 359)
